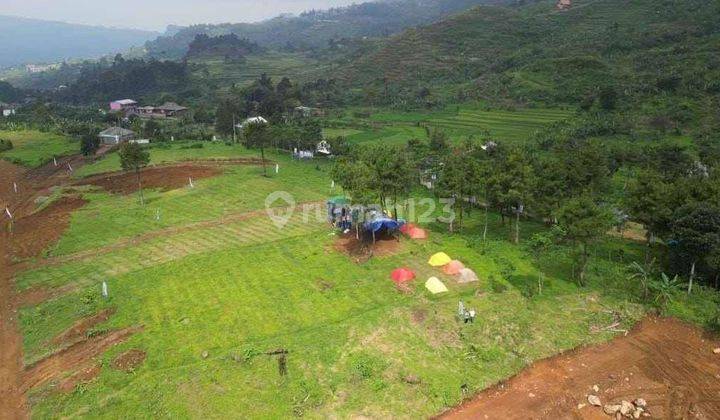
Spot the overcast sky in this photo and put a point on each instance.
(157, 14)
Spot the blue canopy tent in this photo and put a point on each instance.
(382, 223)
(378, 223)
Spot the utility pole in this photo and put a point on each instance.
(234, 131)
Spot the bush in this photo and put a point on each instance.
(5, 145)
(193, 146)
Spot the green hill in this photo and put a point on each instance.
(316, 28)
(536, 53)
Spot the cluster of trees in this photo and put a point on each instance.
(569, 186)
(230, 46)
(125, 78)
(275, 103)
(263, 98)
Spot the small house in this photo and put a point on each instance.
(171, 109)
(116, 135)
(145, 110)
(123, 105)
(6, 110)
(307, 112)
(564, 4)
(253, 120)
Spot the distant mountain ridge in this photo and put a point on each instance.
(316, 28)
(25, 41)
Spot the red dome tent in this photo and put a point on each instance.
(413, 231)
(402, 275)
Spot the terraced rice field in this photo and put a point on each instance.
(274, 64)
(513, 126)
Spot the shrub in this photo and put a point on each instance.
(5, 145)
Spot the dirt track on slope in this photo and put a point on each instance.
(668, 363)
(164, 178)
(72, 358)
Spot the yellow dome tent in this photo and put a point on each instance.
(435, 286)
(439, 259)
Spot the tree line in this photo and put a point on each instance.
(575, 185)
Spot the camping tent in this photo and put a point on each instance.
(417, 233)
(339, 200)
(453, 268)
(468, 276)
(435, 286)
(439, 259)
(402, 275)
(413, 231)
(378, 222)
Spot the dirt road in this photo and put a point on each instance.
(12, 400)
(20, 203)
(668, 363)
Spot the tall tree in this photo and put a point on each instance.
(509, 185)
(258, 135)
(459, 180)
(133, 158)
(584, 223)
(89, 144)
(696, 229)
(648, 201)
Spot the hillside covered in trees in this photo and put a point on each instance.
(535, 53)
(314, 29)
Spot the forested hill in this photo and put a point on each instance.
(28, 41)
(535, 52)
(315, 29)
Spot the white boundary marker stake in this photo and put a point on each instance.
(191, 183)
(54, 160)
(7, 211)
(277, 168)
(15, 187)
(70, 167)
(105, 290)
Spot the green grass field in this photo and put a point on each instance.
(34, 148)
(216, 275)
(459, 122)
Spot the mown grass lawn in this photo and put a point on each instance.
(34, 148)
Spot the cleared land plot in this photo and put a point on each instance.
(214, 284)
(34, 148)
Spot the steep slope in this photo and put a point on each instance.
(314, 29)
(25, 41)
(538, 52)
